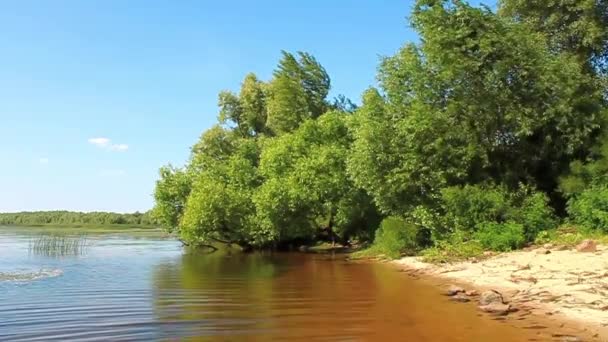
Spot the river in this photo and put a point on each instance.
(116, 287)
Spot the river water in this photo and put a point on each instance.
(121, 288)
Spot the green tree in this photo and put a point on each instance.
(574, 26)
(481, 98)
(466, 136)
(171, 192)
(219, 207)
(306, 186)
(253, 103)
(297, 92)
(245, 112)
(590, 172)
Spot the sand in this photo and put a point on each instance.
(563, 284)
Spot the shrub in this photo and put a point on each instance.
(397, 237)
(570, 236)
(535, 214)
(501, 237)
(590, 208)
(466, 207)
(452, 250)
(472, 207)
(543, 237)
(430, 220)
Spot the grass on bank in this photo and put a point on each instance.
(568, 235)
(458, 249)
(395, 237)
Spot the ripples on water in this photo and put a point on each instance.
(125, 289)
(25, 275)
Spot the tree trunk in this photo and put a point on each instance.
(330, 230)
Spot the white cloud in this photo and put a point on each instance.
(106, 144)
(119, 147)
(43, 161)
(100, 142)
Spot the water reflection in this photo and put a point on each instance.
(294, 297)
(149, 289)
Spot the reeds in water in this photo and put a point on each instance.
(58, 245)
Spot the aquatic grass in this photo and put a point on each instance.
(59, 245)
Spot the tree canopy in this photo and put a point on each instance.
(510, 102)
(272, 170)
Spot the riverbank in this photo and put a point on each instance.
(88, 229)
(558, 283)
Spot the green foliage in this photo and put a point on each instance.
(170, 194)
(456, 248)
(570, 236)
(590, 208)
(586, 185)
(468, 208)
(501, 237)
(591, 172)
(396, 237)
(306, 181)
(535, 214)
(297, 92)
(543, 237)
(574, 26)
(485, 216)
(466, 138)
(216, 211)
(246, 111)
(214, 145)
(482, 98)
(272, 170)
(220, 206)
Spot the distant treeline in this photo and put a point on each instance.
(75, 218)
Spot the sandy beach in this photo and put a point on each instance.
(559, 283)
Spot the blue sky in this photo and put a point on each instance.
(96, 95)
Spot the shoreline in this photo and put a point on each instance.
(566, 288)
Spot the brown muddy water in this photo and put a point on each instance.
(121, 288)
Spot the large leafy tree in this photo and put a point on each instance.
(307, 188)
(226, 194)
(509, 98)
(481, 98)
(219, 207)
(579, 27)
